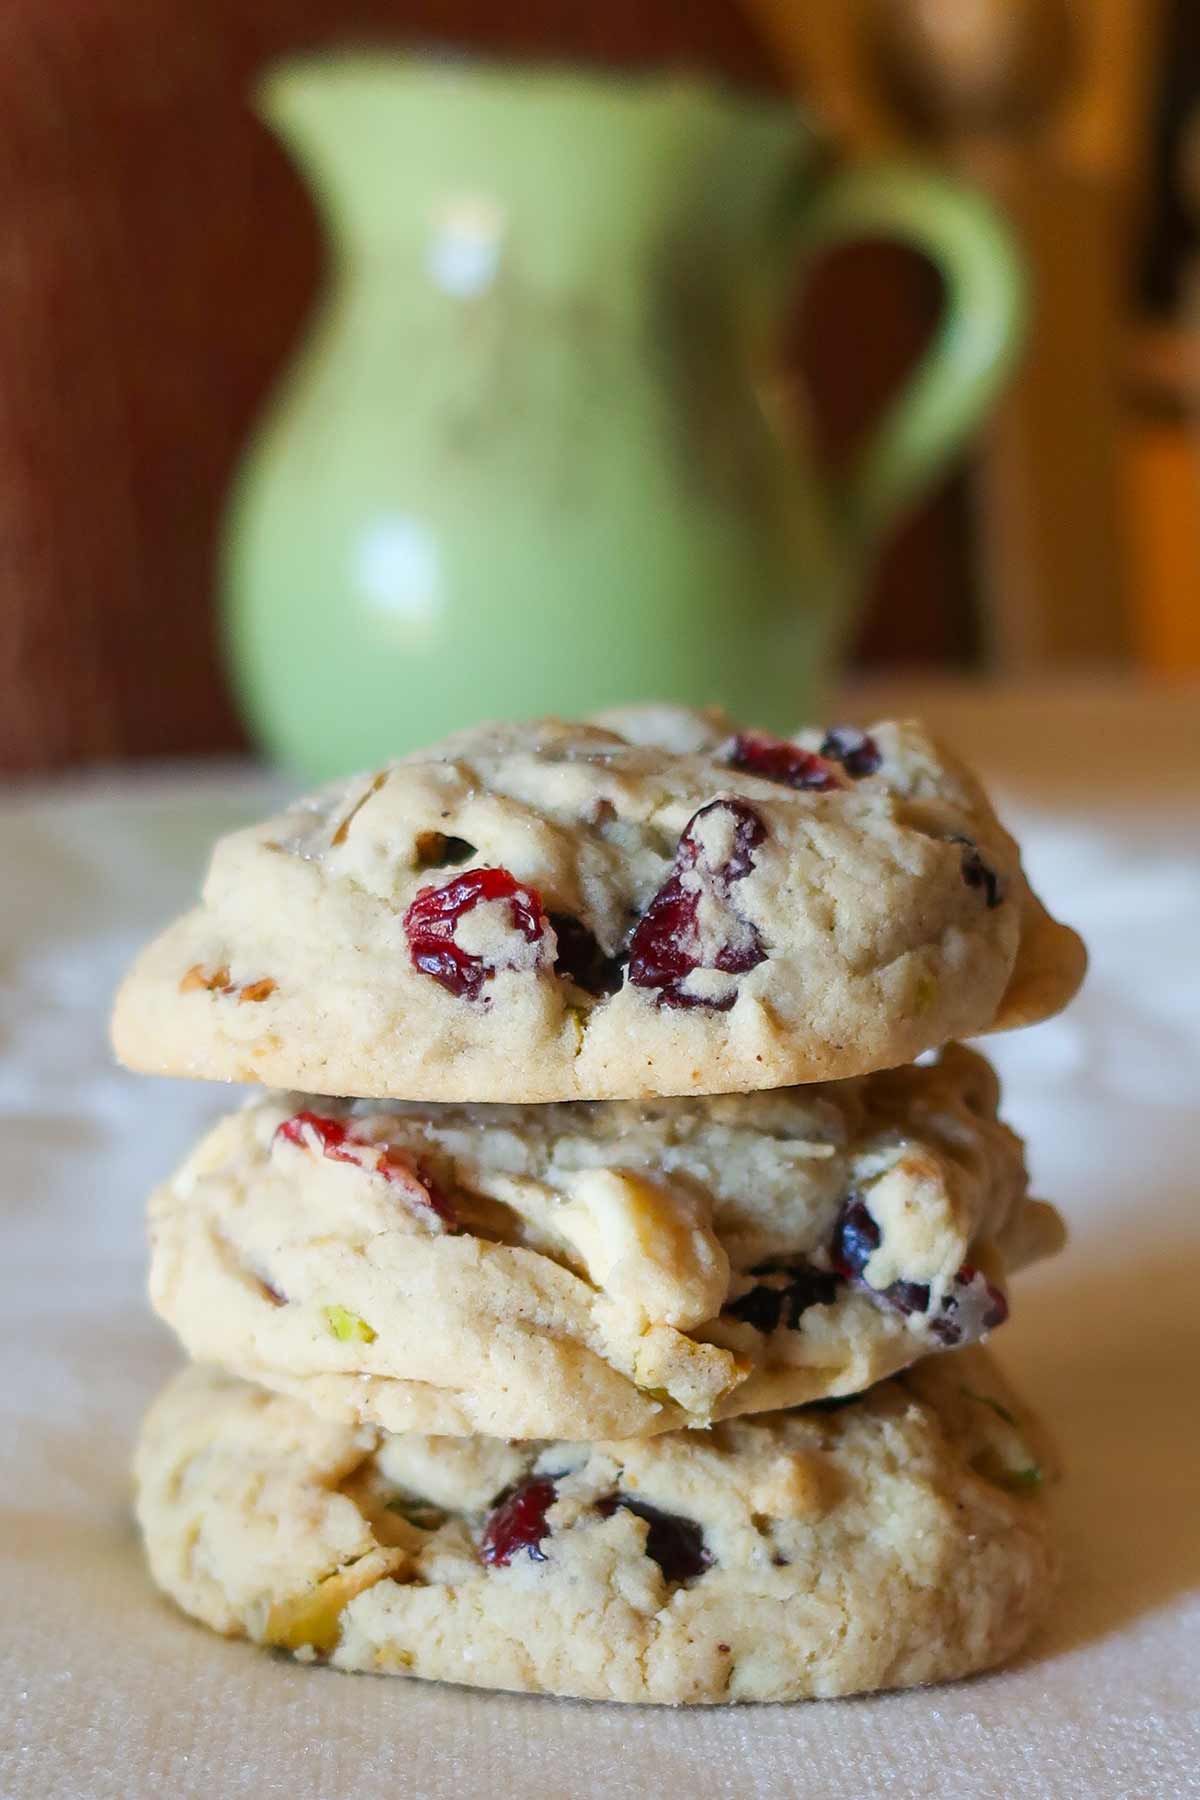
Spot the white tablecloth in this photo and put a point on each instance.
(106, 1692)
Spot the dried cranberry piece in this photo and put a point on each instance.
(330, 1134)
(664, 950)
(666, 947)
(997, 1308)
(776, 759)
(978, 874)
(674, 1543)
(518, 1523)
(336, 1141)
(808, 1287)
(761, 1307)
(397, 1166)
(581, 959)
(974, 1307)
(748, 833)
(857, 752)
(855, 1237)
(908, 1297)
(433, 916)
(764, 1306)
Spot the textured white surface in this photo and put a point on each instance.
(105, 1694)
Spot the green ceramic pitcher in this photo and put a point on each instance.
(533, 456)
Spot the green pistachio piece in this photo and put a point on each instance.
(347, 1327)
(986, 1400)
(312, 1619)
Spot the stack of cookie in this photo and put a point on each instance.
(589, 1301)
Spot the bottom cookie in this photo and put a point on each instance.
(888, 1540)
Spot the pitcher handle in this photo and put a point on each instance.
(979, 335)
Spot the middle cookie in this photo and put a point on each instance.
(597, 1270)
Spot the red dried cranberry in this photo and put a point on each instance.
(330, 1134)
(856, 1235)
(775, 759)
(974, 1307)
(858, 753)
(666, 947)
(674, 1543)
(799, 1286)
(581, 959)
(336, 1141)
(663, 949)
(433, 916)
(518, 1523)
(978, 874)
(908, 1297)
(748, 833)
(396, 1165)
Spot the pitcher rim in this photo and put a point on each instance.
(430, 65)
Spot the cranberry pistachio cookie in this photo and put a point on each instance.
(596, 1269)
(892, 1540)
(562, 911)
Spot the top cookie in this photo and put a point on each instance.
(660, 904)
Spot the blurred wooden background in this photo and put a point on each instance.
(157, 255)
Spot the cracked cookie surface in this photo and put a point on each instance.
(597, 1269)
(893, 1540)
(567, 911)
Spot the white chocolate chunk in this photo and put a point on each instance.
(649, 1244)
